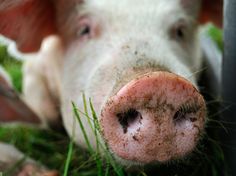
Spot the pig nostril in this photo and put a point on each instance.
(179, 116)
(186, 113)
(126, 119)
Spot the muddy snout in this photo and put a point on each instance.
(156, 117)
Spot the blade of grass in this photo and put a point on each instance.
(70, 150)
(118, 169)
(107, 169)
(97, 127)
(97, 158)
(143, 173)
(96, 131)
(68, 159)
(94, 115)
(87, 162)
(82, 128)
(86, 111)
(99, 164)
(108, 156)
(85, 103)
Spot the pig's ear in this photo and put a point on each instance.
(27, 22)
(212, 10)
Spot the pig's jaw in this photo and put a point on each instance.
(156, 118)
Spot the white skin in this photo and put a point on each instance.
(122, 36)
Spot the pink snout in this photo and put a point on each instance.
(156, 117)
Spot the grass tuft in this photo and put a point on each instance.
(109, 160)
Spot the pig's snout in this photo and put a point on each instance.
(156, 117)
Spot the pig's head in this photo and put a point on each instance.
(137, 60)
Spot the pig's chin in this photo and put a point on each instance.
(156, 117)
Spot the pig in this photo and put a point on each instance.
(136, 59)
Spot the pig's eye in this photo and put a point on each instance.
(84, 30)
(178, 32)
(87, 28)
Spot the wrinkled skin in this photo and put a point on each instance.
(107, 50)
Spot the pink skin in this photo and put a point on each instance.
(157, 129)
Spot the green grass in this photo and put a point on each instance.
(12, 66)
(56, 151)
(217, 35)
(96, 128)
